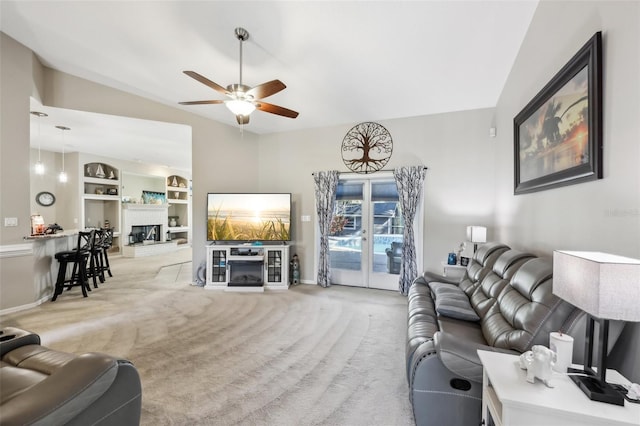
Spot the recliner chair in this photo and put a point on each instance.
(40, 386)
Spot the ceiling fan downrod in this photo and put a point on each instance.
(241, 35)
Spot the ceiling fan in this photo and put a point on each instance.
(243, 100)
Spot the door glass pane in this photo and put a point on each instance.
(388, 227)
(345, 238)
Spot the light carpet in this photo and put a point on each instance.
(305, 356)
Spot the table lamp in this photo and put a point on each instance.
(606, 287)
(476, 234)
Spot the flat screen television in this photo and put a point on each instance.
(248, 217)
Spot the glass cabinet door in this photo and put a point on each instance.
(274, 266)
(219, 266)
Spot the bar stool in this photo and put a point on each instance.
(94, 268)
(78, 258)
(107, 242)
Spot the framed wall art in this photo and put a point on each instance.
(558, 135)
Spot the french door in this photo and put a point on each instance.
(366, 236)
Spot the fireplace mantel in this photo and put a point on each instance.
(132, 206)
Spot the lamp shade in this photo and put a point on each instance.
(603, 285)
(477, 234)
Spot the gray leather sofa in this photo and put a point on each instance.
(40, 386)
(504, 303)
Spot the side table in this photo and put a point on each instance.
(453, 271)
(508, 399)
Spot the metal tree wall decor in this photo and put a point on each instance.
(367, 148)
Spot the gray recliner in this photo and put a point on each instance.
(40, 386)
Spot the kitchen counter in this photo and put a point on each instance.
(63, 234)
(45, 264)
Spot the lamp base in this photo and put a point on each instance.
(595, 389)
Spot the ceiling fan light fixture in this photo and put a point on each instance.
(240, 107)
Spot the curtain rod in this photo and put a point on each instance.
(381, 170)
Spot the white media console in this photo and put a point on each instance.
(247, 267)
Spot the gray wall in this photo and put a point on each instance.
(455, 147)
(603, 215)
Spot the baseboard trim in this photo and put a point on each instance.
(15, 309)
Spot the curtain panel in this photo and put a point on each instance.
(326, 184)
(410, 181)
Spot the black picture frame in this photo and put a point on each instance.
(558, 135)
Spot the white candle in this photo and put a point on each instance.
(562, 345)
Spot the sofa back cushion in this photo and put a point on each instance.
(505, 267)
(480, 265)
(526, 310)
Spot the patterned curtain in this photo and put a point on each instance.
(409, 181)
(326, 184)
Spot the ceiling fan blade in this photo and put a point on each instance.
(204, 80)
(266, 89)
(242, 119)
(275, 109)
(201, 102)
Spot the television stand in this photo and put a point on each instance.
(247, 268)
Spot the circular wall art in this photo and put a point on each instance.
(367, 148)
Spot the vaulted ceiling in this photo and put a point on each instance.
(342, 61)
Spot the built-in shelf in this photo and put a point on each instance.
(100, 190)
(101, 197)
(179, 198)
(176, 229)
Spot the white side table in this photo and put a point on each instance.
(453, 271)
(508, 399)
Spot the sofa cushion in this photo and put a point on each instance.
(452, 302)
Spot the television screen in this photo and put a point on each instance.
(248, 217)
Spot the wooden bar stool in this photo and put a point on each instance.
(94, 268)
(78, 258)
(107, 242)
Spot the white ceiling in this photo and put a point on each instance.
(342, 61)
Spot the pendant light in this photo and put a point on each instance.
(39, 166)
(62, 177)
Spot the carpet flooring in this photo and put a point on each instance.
(305, 356)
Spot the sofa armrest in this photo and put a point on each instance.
(433, 277)
(460, 356)
(66, 392)
(12, 338)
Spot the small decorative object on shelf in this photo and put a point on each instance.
(112, 191)
(100, 172)
(452, 259)
(174, 182)
(464, 261)
(37, 225)
(172, 221)
(107, 225)
(89, 172)
(112, 175)
(99, 191)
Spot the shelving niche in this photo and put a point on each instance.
(179, 199)
(101, 198)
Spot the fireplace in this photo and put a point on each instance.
(145, 234)
(246, 273)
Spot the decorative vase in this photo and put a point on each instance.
(173, 223)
